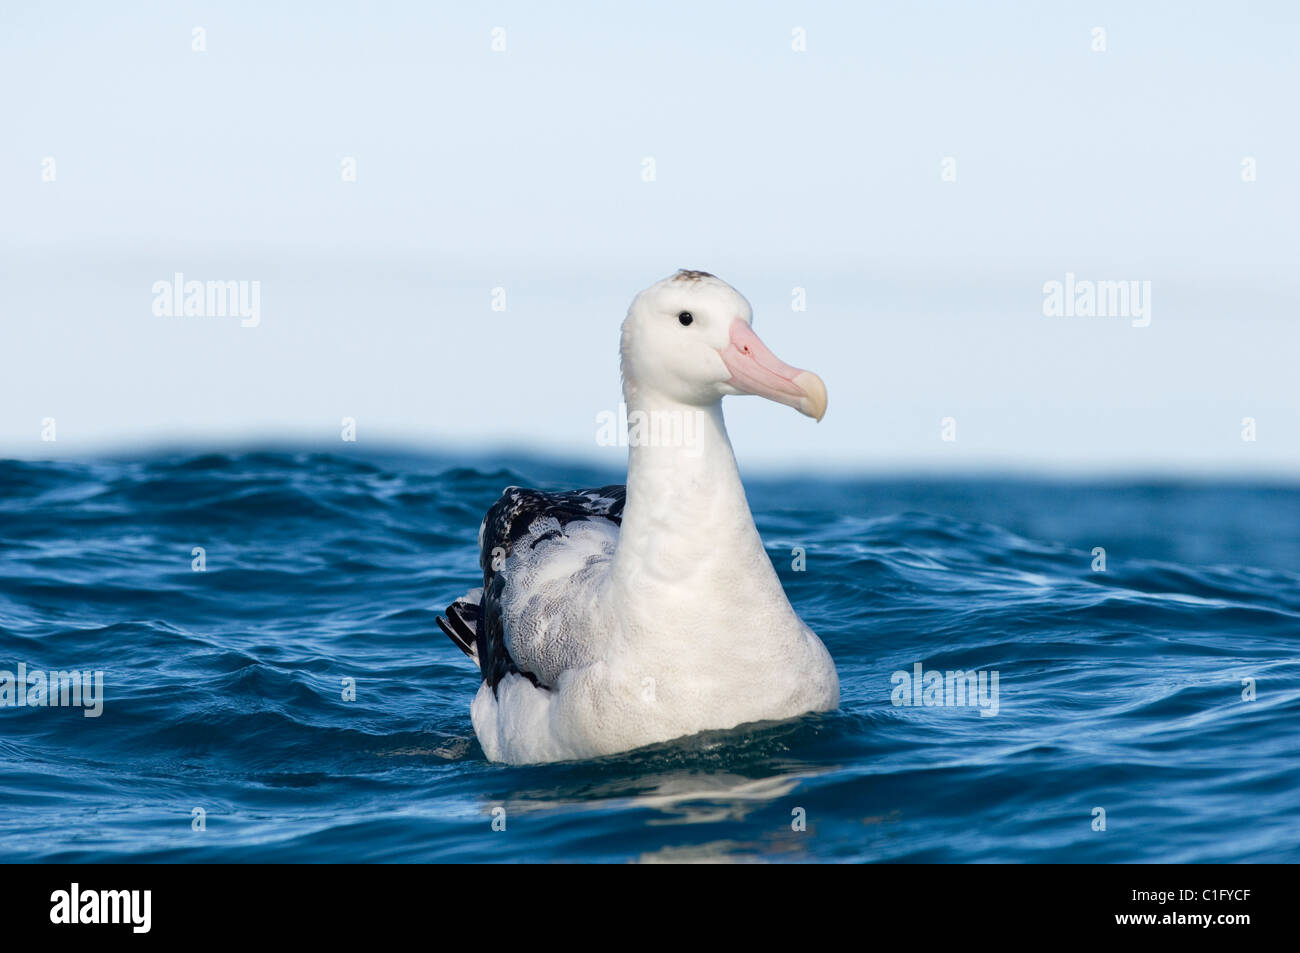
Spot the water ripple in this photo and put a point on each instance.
(1164, 689)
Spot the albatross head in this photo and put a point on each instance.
(688, 338)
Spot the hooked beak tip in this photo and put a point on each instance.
(814, 400)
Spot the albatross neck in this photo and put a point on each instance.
(685, 514)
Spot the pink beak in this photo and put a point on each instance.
(756, 370)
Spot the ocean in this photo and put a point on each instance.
(273, 686)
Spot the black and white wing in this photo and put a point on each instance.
(522, 532)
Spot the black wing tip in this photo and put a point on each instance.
(460, 634)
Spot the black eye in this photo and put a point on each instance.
(686, 318)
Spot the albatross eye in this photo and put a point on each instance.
(686, 318)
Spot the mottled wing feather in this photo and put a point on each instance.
(504, 528)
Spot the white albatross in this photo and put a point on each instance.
(620, 617)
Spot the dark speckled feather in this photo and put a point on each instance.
(507, 523)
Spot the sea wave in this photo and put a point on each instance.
(1163, 689)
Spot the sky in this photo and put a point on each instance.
(446, 210)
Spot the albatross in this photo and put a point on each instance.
(623, 616)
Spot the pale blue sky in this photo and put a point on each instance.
(522, 169)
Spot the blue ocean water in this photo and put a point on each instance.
(1119, 689)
